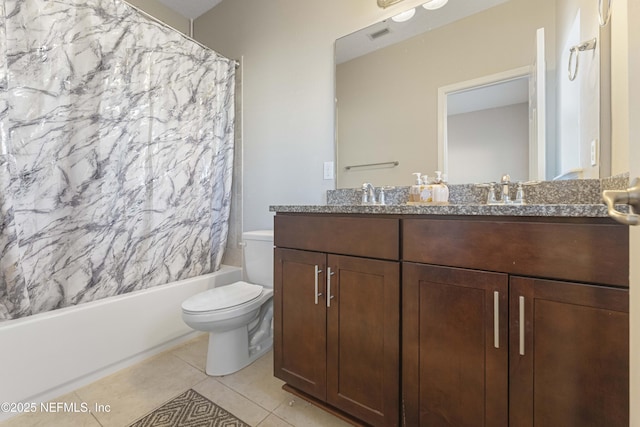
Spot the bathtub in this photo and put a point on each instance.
(50, 354)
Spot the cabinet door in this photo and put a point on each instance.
(300, 320)
(455, 346)
(363, 338)
(569, 358)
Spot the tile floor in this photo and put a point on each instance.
(252, 394)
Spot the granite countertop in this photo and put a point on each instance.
(542, 210)
(571, 199)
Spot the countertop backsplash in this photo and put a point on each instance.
(578, 191)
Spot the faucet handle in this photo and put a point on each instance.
(520, 191)
(519, 195)
(491, 195)
(368, 194)
(365, 193)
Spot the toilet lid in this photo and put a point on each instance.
(222, 297)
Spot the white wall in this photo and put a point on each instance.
(620, 56)
(288, 86)
(483, 145)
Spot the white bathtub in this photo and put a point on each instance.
(50, 354)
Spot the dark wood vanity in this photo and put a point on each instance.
(337, 312)
(418, 320)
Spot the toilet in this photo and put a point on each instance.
(237, 316)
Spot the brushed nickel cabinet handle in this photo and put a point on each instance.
(329, 296)
(496, 319)
(521, 303)
(316, 293)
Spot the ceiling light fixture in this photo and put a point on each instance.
(434, 4)
(404, 16)
(386, 3)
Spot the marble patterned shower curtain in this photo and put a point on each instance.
(116, 149)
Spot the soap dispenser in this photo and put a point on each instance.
(426, 191)
(416, 189)
(440, 189)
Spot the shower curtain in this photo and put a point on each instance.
(116, 154)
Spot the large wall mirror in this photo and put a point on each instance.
(478, 89)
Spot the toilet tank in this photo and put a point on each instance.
(258, 257)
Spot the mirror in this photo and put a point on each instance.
(484, 124)
(389, 77)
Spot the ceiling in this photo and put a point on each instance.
(495, 95)
(190, 8)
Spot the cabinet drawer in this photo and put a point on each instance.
(370, 237)
(587, 252)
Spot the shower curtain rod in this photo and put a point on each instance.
(164, 24)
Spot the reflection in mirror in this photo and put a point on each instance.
(387, 99)
(486, 126)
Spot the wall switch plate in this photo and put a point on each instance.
(594, 152)
(328, 170)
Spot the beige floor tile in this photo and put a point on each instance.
(194, 352)
(257, 383)
(274, 421)
(301, 413)
(71, 415)
(252, 394)
(232, 401)
(137, 390)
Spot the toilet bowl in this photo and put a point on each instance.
(237, 316)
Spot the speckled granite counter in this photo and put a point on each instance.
(568, 210)
(571, 199)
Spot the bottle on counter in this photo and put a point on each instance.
(440, 190)
(426, 191)
(414, 191)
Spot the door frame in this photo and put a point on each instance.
(633, 16)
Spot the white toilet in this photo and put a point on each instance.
(237, 316)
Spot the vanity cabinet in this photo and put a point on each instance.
(499, 321)
(486, 343)
(337, 313)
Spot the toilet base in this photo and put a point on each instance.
(229, 351)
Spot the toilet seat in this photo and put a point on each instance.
(222, 298)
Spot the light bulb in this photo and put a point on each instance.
(434, 4)
(404, 16)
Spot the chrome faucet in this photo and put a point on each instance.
(504, 182)
(368, 194)
(504, 198)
